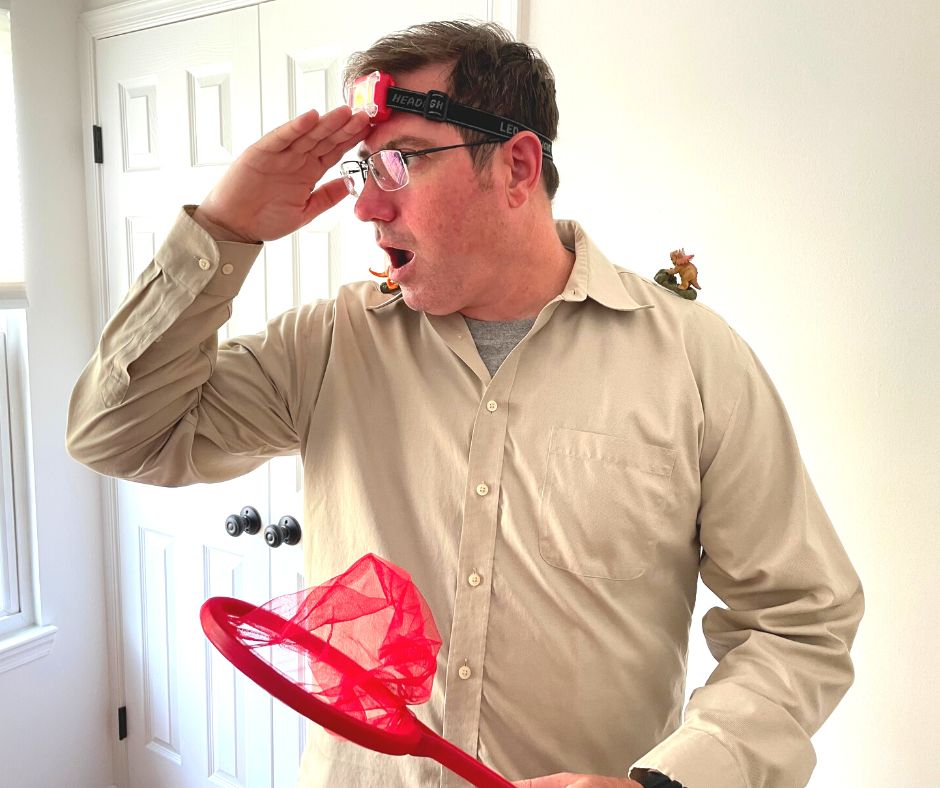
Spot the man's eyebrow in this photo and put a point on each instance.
(397, 144)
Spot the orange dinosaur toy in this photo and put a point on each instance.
(688, 273)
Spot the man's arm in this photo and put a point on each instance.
(793, 605)
(153, 403)
(159, 401)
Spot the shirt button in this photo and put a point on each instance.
(491, 405)
(482, 490)
(204, 264)
(464, 672)
(474, 579)
(228, 268)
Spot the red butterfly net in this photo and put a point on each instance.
(352, 655)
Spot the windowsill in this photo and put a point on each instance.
(13, 295)
(25, 646)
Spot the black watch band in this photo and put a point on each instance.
(657, 780)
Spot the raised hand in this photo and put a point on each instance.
(268, 191)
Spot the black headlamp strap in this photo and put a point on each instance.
(435, 105)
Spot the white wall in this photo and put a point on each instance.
(55, 717)
(794, 148)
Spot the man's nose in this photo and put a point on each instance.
(373, 204)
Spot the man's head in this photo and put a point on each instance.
(472, 230)
(488, 71)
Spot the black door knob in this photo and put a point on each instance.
(248, 522)
(285, 531)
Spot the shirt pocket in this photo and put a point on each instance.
(602, 503)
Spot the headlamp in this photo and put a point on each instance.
(376, 95)
(369, 94)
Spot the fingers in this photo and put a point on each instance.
(330, 133)
(324, 197)
(308, 125)
(331, 155)
(329, 150)
(283, 136)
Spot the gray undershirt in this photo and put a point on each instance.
(495, 339)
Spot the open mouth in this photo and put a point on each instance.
(399, 257)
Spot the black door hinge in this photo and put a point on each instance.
(122, 723)
(99, 148)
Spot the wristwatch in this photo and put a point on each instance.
(657, 780)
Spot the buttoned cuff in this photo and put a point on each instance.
(193, 259)
(694, 758)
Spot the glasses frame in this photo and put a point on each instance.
(348, 168)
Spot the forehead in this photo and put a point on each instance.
(414, 127)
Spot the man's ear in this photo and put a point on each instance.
(522, 155)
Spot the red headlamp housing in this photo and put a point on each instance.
(370, 94)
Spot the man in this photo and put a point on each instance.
(553, 447)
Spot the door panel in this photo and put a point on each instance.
(177, 104)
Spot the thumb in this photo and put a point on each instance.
(324, 197)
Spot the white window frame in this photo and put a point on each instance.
(9, 571)
(22, 636)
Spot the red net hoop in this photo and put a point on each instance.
(351, 654)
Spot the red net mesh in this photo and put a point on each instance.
(375, 646)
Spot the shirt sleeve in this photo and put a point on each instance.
(794, 602)
(161, 401)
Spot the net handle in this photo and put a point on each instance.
(218, 616)
(433, 745)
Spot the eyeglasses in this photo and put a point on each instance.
(390, 167)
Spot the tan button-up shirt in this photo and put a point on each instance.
(556, 515)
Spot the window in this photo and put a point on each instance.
(21, 639)
(14, 606)
(9, 589)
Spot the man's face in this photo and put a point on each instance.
(448, 215)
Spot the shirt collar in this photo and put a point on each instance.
(384, 299)
(593, 275)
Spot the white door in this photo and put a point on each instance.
(177, 103)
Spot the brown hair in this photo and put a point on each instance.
(490, 71)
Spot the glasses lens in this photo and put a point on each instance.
(389, 170)
(350, 170)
